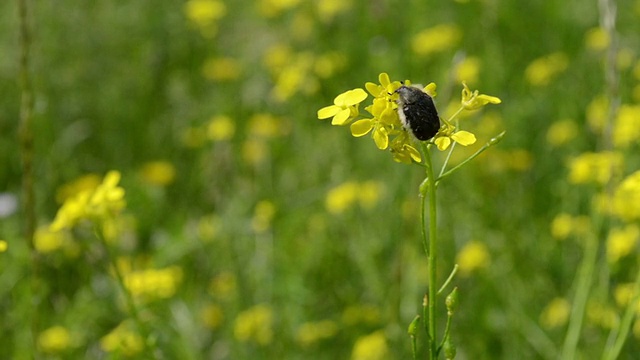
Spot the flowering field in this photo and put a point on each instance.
(217, 179)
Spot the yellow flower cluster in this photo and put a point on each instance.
(54, 339)
(152, 284)
(204, 15)
(385, 121)
(473, 256)
(99, 205)
(255, 325)
(371, 347)
(344, 196)
(123, 340)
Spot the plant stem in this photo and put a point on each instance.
(433, 287)
(25, 134)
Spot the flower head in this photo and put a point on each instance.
(344, 108)
(472, 100)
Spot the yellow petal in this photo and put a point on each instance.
(361, 127)
(381, 138)
(355, 96)
(415, 154)
(488, 99)
(328, 111)
(384, 79)
(464, 138)
(341, 117)
(372, 88)
(443, 143)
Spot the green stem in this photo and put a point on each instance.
(584, 279)
(25, 135)
(130, 301)
(612, 353)
(433, 288)
(489, 143)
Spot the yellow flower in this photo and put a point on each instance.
(447, 134)
(472, 100)
(263, 216)
(328, 64)
(562, 226)
(626, 129)
(597, 39)
(254, 151)
(371, 347)
(54, 339)
(626, 198)
(46, 241)
(212, 316)
(266, 126)
(122, 340)
(602, 315)
(3, 246)
(341, 197)
(158, 173)
(541, 71)
(624, 294)
(436, 39)
(204, 14)
(223, 286)
(154, 284)
(369, 193)
(474, 255)
(83, 183)
(310, 333)
(595, 167)
(271, 8)
(328, 9)
(467, 70)
(220, 128)
(597, 113)
(621, 242)
(561, 132)
(344, 108)
(556, 313)
(221, 69)
(255, 325)
(403, 151)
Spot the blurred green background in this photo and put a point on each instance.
(259, 231)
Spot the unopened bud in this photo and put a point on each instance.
(413, 327)
(452, 301)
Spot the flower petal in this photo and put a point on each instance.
(341, 118)
(414, 153)
(361, 127)
(488, 99)
(443, 143)
(355, 96)
(384, 79)
(381, 138)
(373, 89)
(328, 111)
(464, 138)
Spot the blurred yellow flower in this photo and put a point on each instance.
(152, 284)
(223, 286)
(122, 340)
(255, 325)
(626, 130)
(473, 256)
(254, 151)
(595, 167)
(158, 173)
(543, 70)
(221, 69)
(436, 39)
(311, 333)
(212, 316)
(472, 100)
(204, 14)
(220, 128)
(602, 315)
(597, 39)
(3, 246)
(54, 340)
(556, 313)
(561, 132)
(626, 198)
(277, 57)
(625, 293)
(328, 64)
(467, 70)
(328, 9)
(208, 227)
(369, 193)
(348, 194)
(266, 126)
(295, 77)
(562, 226)
(84, 183)
(46, 241)
(361, 314)
(272, 8)
(371, 347)
(621, 242)
(263, 215)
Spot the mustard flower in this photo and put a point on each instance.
(556, 313)
(371, 347)
(472, 100)
(542, 70)
(255, 325)
(122, 340)
(626, 198)
(448, 134)
(54, 339)
(474, 255)
(310, 333)
(344, 108)
(621, 242)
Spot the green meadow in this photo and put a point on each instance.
(184, 180)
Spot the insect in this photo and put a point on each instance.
(417, 112)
